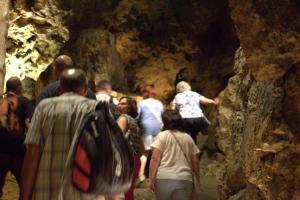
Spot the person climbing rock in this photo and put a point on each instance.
(188, 103)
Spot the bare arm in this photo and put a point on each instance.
(29, 170)
(154, 164)
(122, 122)
(195, 165)
(207, 101)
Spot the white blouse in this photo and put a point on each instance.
(188, 104)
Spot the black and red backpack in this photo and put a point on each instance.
(102, 160)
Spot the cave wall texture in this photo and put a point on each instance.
(248, 51)
(4, 10)
(258, 120)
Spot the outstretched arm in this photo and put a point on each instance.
(29, 170)
(206, 101)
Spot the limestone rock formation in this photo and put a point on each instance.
(172, 38)
(274, 55)
(95, 52)
(269, 34)
(260, 148)
(4, 8)
(258, 119)
(136, 42)
(156, 36)
(34, 40)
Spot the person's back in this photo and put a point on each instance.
(51, 90)
(150, 116)
(12, 133)
(14, 145)
(53, 125)
(64, 116)
(188, 104)
(174, 159)
(173, 163)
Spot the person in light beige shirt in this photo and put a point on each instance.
(173, 162)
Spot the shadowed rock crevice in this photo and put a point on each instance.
(162, 36)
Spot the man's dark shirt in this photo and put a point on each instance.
(23, 112)
(51, 90)
(15, 145)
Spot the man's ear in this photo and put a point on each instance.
(83, 91)
(86, 90)
(59, 90)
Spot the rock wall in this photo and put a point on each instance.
(153, 36)
(95, 52)
(34, 40)
(269, 34)
(261, 151)
(4, 8)
(258, 119)
(138, 42)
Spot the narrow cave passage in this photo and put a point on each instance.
(246, 52)
(133, 44)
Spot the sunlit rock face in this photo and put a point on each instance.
(34, 40)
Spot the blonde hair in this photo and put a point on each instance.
(182, 86)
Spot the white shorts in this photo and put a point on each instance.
(148, 140)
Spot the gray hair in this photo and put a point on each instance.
(182, 86)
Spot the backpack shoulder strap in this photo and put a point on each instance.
(181, 148)
(156, 115)
(71, 152)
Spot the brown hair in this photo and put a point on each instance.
(13, 83)
(132, 106)
(172, 120)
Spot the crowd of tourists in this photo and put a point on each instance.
(49, 148)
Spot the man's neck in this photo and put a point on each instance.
(102, 92)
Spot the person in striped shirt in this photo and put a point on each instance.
(53, 125)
